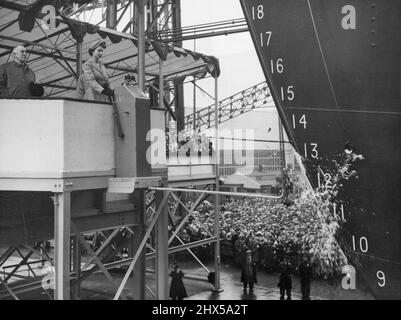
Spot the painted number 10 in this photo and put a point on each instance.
(363, 244)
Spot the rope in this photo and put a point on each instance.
(393, 113)
(377, 258)
(326, 68)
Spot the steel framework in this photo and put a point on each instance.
(247, 100)
(145, 232)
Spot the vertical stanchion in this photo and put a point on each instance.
(162, 222)
(139, 272)
(62, 215)
(217, 287)
(77, 266)
(139, 13)
(79, 57)
(162, 250)
(282, 146)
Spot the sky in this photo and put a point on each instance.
(240, 67)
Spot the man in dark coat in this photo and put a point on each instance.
(248, 272)
(285, 281)
(305, 273)
(177, 288)
(16, 78)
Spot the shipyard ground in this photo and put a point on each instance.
(97, 287)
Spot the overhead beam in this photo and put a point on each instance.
(204, 35)
(111, 12)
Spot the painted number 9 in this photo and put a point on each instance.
(382, 278)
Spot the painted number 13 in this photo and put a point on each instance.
(311, 149)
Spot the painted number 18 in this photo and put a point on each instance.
(258, 12)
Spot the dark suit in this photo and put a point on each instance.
(15, 79)
(305, 273)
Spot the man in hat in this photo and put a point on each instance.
(248, 274)
(285, 281)
(16, 78)
(305, 273)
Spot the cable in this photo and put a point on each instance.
(376, 258)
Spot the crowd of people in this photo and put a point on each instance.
(275, 231)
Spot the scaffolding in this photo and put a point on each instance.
(122, 234)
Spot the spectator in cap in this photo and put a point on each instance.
(285, 281)
(94, 83)
(305, 274)
(17, 79)
(248, 274)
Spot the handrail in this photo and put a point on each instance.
(223, 193)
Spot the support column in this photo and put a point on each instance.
(178, 85)
(161, 85)
(62, 220)
(111, 12)
(282, 146)
(79, 58)
(139, 272)
(162, 251)
(140, 28)
(77, 266)
(217, 199)
(162, 222)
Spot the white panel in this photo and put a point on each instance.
(89, 137)
(55, 138)
(31, 137)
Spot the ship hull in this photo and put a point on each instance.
(333, 68)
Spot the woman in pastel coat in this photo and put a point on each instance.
(94, 83)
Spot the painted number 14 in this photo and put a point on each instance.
(302, 121)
